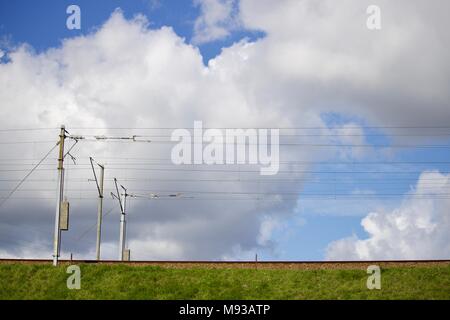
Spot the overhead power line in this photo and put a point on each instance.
(27, 142)
(149, 162)
(240, 171)
(27, 175)
(84, 233)
(26, 129)
(318, 145)
(329, 196)
(329, 135)
(270, 127)
(330, 127)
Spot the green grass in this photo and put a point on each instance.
(20, 281)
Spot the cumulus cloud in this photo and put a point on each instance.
(324, 44)
(217, 18)
(126, 75)
(418, 229)
(35, 250)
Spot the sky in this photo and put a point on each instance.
(363, 117)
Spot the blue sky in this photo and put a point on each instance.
(42, 24)
(315, 223)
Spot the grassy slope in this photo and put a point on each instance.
(19, 281)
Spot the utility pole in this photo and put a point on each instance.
(122, 197)
(123, 223)
(60, 182)
(100, 203)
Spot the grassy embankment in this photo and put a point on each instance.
(31, 281)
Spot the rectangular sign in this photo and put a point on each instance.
(64, 217)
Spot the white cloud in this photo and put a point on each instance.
(217, 18)
(239, 254)
(126, 75)
(268, 226)
(418, 229)
(349, 136)
(35, 250)
(324, 44)
(153, 249)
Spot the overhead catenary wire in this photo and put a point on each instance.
(26, 142)
(318, 145)
(241, 171)
(135, 138)
(330, 196)
(280, 134)
(432, 186)
(167, 161)
(227, 194)
(335, 127)
(291, 144)
(84, 233)
(270, 127)
(2, 202)
(27, 129)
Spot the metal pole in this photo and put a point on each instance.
(100, 210)
(122, 225)
(125, 220)
(60, 182)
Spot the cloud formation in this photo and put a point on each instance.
(323, 56)
(126, 75)
(217, 19)
(418, 229)
(317, 57)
